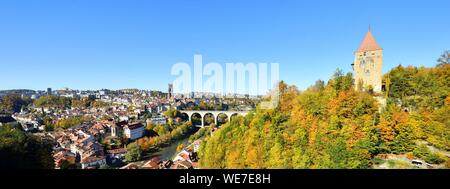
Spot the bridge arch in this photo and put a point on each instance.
(185, 117)
(233, 115)
(222, 120)
(209, 114)
(196, 116)
(202, 113)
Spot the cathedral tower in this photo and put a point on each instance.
(367, 65)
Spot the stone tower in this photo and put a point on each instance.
(170, 91)
(367, 65)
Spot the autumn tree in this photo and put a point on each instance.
(134, 152)
(13, 103)
(331, 125)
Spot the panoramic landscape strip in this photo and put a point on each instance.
(227, 85)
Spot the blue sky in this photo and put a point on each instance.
(94, 44)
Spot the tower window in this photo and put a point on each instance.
(362, 64)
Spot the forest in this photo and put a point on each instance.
(331, 125)
(20, 150)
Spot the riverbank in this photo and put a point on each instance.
(165, 153)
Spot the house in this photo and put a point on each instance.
(90, 149)
(93, 162)
(124, 118)
(98, 129)
(158, 120)
(117, 153)
(134, 131)
(154, 163)
(183, 155)
(182, 164)
(64, 156)
(79, 139)
(28, 122)
(64, 141)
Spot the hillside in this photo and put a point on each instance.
(330, 125)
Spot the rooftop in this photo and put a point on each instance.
(369, 43)
(135, 125)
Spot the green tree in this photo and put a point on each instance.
(67, 165)
(53, 102)
(13, 103)
(70, 122)
(134, 152)
(82, 103)
(19, 150)
(444, 59)
(180, 147)
(341, 82)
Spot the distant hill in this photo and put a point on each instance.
(17, 91)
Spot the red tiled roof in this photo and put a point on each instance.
(369, 43)
(135, 125)
(151, 164)
(117, 151)
(92, 159)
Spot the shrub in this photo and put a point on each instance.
(434, 158)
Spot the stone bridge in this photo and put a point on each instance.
(215, 114)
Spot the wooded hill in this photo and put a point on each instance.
(330, 125)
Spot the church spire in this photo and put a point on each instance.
(369, 43)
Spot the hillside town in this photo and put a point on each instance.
(94, 130)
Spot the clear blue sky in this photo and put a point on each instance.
(94, 44)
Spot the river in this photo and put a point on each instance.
(165, 153)
(170, 151)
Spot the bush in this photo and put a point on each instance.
(409, 155)
(49, 128)
(180, 147)
(421, 151)
(434, 158)
(199, 134)
(377, 161)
